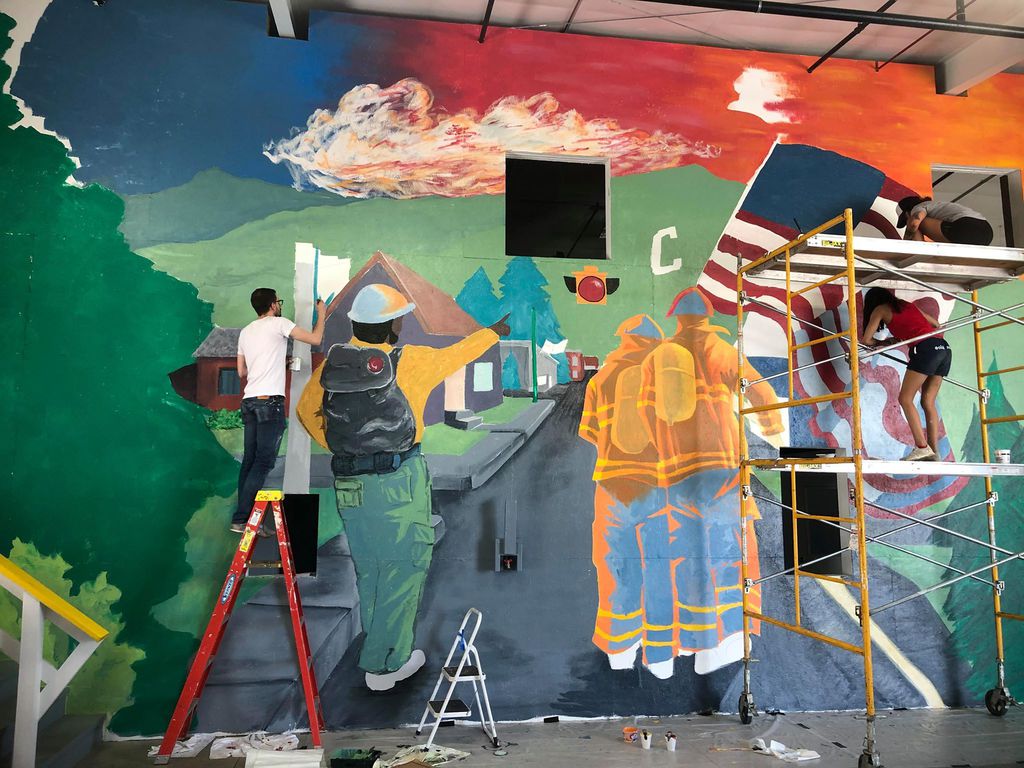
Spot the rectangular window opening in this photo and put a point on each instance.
(995, 193)
(228, 382)
(556, 206)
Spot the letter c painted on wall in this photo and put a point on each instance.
(656, 266)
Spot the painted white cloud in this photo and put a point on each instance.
(760, 93)
(393, 142)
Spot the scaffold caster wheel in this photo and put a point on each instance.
(996, 701)
(746, 708)
(868, 761)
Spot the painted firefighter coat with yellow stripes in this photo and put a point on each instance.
(666, 526)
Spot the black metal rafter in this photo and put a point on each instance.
(960, 14)
(487, 20)
(572, 16)
(962, 195)
(827, 13)
(838, 46)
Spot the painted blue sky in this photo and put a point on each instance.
(151, 92)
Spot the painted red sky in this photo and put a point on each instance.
(891, 119)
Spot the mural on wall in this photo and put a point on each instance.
(382, 141)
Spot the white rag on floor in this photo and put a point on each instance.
(191, 747)
(781, 751)
(303, 758)
(239, 746)
(436, 755)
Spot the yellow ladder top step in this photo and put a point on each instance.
(269, 495)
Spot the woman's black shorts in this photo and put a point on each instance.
(967, 231)
(932, 357)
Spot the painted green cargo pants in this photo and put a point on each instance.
(387, 521)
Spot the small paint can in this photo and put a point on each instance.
(630, 734)
(645, 739)
(1002, 457)
(670, 741)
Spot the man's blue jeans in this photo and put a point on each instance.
(264, 422)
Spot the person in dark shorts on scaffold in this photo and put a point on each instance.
(929, 362)
(942, 222)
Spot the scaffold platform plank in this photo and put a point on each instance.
(947, 265)
(896, 468)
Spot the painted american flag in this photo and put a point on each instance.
(797, 188)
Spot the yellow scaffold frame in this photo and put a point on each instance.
(838, 260)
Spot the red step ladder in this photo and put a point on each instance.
(214, 633)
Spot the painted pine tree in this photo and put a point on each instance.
(969, 602)
(478, 299)
(522, 292)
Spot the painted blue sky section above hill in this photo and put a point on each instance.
(151, 92)
(797, 187)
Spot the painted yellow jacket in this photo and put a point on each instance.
(420, 370)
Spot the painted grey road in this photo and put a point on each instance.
(536, 638)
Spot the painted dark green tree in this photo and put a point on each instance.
(522, 292)
(102, 462)
(477, 298)
(969, 602)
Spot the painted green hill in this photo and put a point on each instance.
(447, 239)
(211, 204)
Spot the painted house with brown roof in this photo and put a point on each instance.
(437, 321)
(212, 381)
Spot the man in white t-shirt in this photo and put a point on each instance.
(262, 352)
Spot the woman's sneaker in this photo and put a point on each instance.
(921, 454)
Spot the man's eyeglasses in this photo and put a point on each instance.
(279, 301)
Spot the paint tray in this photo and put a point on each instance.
(354, 758)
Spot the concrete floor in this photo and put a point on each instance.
(906, 739)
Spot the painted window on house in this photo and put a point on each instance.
(228, 382)
(483, 377)
(556, 206)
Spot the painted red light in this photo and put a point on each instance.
(591, 289)
(375, 364)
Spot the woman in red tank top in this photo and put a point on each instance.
(928, 363)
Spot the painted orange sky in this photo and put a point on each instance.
(891, 119)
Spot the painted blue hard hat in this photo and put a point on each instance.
(691, 301)
(378, 303)
(640, 325)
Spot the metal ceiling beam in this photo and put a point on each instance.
(978, 61)
(487, 20)
(838, 46)
(572, 16)
(827, 13)
(283, 15)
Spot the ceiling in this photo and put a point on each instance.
(961, 59)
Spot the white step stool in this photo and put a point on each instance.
(467, 669)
